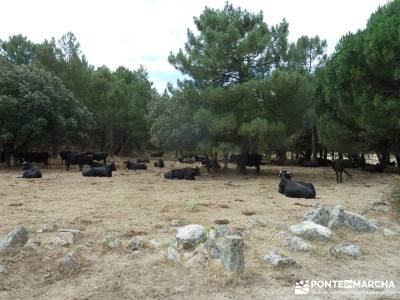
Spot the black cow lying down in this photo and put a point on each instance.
(31, 171)
(378, 168)
(143, 160)
(130, 165)
(184, 173)
(96, 164)
(104, 171)
(295, 189)
(157, 153)
(159, 163)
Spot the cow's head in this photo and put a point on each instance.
(285, 174)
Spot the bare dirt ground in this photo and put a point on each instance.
(144, 203)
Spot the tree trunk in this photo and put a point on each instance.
(225, 160)
(109, 140)
(313, 143)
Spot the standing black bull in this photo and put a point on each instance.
(184, 173)
(78, 159)
(31, 171)
(63, 155)
(378, 168)
(37, 157)
(249, 160)
(339, 166)
(104, 171)
(295, 189)
(157, 153)
(98, 156)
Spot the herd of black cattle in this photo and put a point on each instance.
(98, 167)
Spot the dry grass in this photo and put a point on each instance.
(144, 203)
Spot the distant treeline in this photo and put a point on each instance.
(248, 90)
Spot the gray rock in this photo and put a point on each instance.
(278, 260)
(48, 227)
(357, 223)
(232, 255)
(32, 244)
(296, 243)
(254, 223)
(111, 241)
(64, 239)
(67, 264)
(351, 250)
(311, 231)
(389, 232)
(154, 243)
(222, 230)
(173, 255)
(3, 269)
(213, 250)
(336, 217)
(326, 216)
(135, 243)
(15, 238)
(199, 260)
(191, 235)
(76, 233)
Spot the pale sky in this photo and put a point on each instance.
(131, 33)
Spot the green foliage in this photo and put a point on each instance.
(117, 100)
(358, 90)
(36, 110)
(172, 123)
(245, 94)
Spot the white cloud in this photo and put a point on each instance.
(131, 33)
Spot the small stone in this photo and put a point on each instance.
(173, 255)
(153, 243)
(191, 235)
(136, 243)
(198, 260)
(311, 231)
(254, 223)
(67, 264)
(76, 233)
(278, 260)
(177, 222)
(296, 243)
(32, 244)
(15, 238)
(64, 239)
(233, 254)
(48, 227)
(351, 250)
(3, 269)
(388, 232)
(111, 241)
